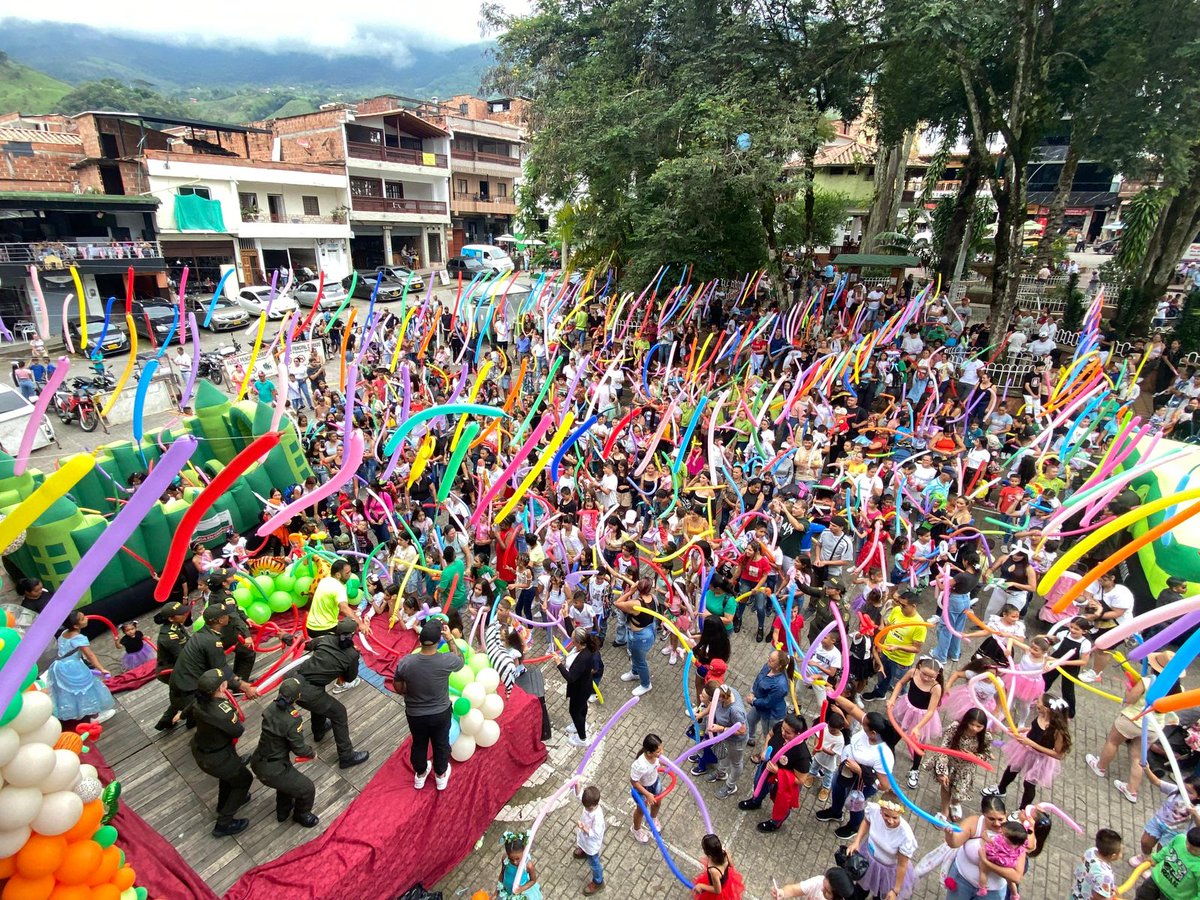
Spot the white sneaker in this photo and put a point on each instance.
(629, 676)
(338, 688)
(593, 699)
(1089, 675)
(665, 650)
(642, 836)
(576, 741)
(639, 690)
(914, 778)
(674, 660)
(106, 715)
(1093, 762)
(420, 777)
(440, 781)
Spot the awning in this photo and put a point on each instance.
(175, 248)
(881, 260)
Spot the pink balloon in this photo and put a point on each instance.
(1172, 610)
(802, 736)
(353, 460)
(538, 433)
(39, 413)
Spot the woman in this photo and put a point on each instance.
(729, 714)
(711, 645)
(962, 588)
(956, 776)
(964, 880)
(889, 844)
(835, 884)
(277, 541)
(857, 772)
(579, 667)
(76, 692)
(767, 701)
(785, 774)
(641, 627)
(1016, 580)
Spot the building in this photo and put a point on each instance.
(487, 149)
(398, 167)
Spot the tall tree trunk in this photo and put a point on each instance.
(810, 198)
(1058, 206)
(964, 208)
(891, 165)
(1010, 202)
(1177, 227)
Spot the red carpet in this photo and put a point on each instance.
(390, 646)
(392, 836)
(132, 679)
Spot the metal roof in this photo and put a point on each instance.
(168, 120)
(36, 136)
(54, 200)
(876, 259)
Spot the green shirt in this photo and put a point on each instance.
(1176, 870)
(326, 604)
(720, 605)
(456, 568)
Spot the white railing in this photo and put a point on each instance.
(66, 252)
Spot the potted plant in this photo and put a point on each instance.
(339, 214)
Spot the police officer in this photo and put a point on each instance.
(332, 656)
(237, 632)
(283, 735)
(172, 638)
(204, 651)
(217, 730)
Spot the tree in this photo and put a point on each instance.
(109, 94)
(812, 225)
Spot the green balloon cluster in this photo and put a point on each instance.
(9, 638)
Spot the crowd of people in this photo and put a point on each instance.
(805, 488)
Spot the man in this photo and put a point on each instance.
(264, 387)
(282, 735)
(236, 633)
(900, 645)
(172, 638)
(451, 591)
(333, 656)
(213, 747)
(424, 681)
(330, 601)
(1111, 605)
(1176, 872)
(831, 551)
(204, 652)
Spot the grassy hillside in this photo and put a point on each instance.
(26, 90)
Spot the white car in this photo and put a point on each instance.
(254, 299)
(331, 296)
(15, 412)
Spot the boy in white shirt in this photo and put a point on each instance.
(589, 837)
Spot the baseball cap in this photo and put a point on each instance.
(290, 689)
(210, 681)
(213, 613)
(346, 626)
(174, 608)
(431, 632)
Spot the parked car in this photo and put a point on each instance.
(490, 255)
(401, 274)
(115, 339)
(227, 315)
(153, 321)
(1108, 246)
(331, 297)
(15, 413)
(468, 267)
(389, 289)
(254, 299)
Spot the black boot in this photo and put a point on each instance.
(750, 803)
(237, 826)
(357, 758)
(305, 820)
(282, 813)
(758, 638)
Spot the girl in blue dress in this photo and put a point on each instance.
(77, 693)
(529, 889)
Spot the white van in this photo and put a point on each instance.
(490, 255)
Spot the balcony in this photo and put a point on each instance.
(475, 204)
(397, 155)
(92, 256)
(478, 156)
(249, 215)
(400, 206)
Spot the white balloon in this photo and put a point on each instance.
(89, 789)
(64, 775)
(19, 805)
(463, 749)
(10, 743)
(46, 733)
(13, 840)
(60, 811)
(36, 708)
(86, 770)
(493, 705)
(471, 722)
(30, 766)
(489, 733)
(475, 693)
(489, 679)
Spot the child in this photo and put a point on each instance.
(525, 587)
(409, 613)
(1026, 687)
(963, 697)
(683, 623)
(719, 878)
(234, 550)
(1037, 754)
(528, 889)
(863, 664)
(599, 597)
(823, 667)
(555, 596)
(137, 650)
(915, 710)
(643, 776)
(589, 837)
(1094, 875)
(1002, 851)
(779, 638)
(1177, 814)
(827, 755)
(578, 613)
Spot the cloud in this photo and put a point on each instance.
(354, 27)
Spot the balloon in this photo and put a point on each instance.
(469, 724)
(489, 733)
(106, 836)
(83, 830)
(106, 891)
(13, 708)
(351, 590)
(259, 612)
(265, 583)
(285, 582)
(131, 893)
(10, 742)
(56, 485)
(465, 649)
(119, 530)
(493, 705)
(141, 893)
(86, 770)
(36, 708)
(110, 796)
(65, 773)
(463, 749)
(13, 838)
(41, 856)
(242, 595)
(489, 680)
(47, 733)
(89, 789)
(304, 585)
(81, 859)
(302, 600)
(744, 141)
(32, 763)
(71, 892)
(59, 812)
(19, 888)
(460, 679)
(455, 730)
(353, 459)
(19, 805)
(124, 879)
(478, 663)
(461, 706)
(8, 867)
(475, 693)
(280, 601)
(110, 861)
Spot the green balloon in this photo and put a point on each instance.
(285, 582)
(110, 796)
(9, 638)
(30, 678)
(302, 599)
(141, 893)
(10, 713)
(478, 662)
(265, 583)
(353, 586)
(197, 624)
(461, 678)
(280, 601)
(106, 836)
(121, 864)
(259, 612)
(462, 706)
(243, 595)
(304, 585)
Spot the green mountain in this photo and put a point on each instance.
(23, 89)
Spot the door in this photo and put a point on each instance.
(483, 191)
(108, 146)
(435, 247)
(251, 271)
(110, 178)
(275, 208)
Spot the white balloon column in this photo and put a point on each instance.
(477, 705)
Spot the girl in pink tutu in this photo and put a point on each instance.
(961, 695)
(916, 711)
(137, 649)
(1025, 688)
(1036, 754)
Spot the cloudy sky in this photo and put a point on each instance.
(342, 27)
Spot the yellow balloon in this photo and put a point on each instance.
(670, 625)
(559, 436)
(1133, 877)
(55, 486)
(262, 324)
(112, 401)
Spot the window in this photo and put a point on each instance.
(365, 187)
(501, 189)
(460, 185)
(195, 190)
(312, 206)
(464, 109)
(394, 190)
(248, 203)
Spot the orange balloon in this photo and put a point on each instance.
(105, 892)
(1176, 702)
(40, 856)
(69, 740)
(481, 895)
(19, 888)
(81, 860)
(110, 861)
(124, 878)
(8, 867)
(71, 892)
(87, 824)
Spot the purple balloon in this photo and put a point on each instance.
(1168, 634)
(629, 704)
(119, 530)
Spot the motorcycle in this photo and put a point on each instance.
(79, 404)
(211, 367)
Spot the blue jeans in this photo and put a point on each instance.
(842, 786)
(965, 890)
(640, 645)
(593, 860)
(755, 717)
(622, 632)
(892, 672)
(948, 643)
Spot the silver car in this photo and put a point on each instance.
(332, 295)
(254, 299)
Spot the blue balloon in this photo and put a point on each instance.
(743, 141)
(455, 729)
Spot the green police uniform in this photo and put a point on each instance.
(217, 729)
(282, 736)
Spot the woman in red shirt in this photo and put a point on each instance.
(753, 569)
